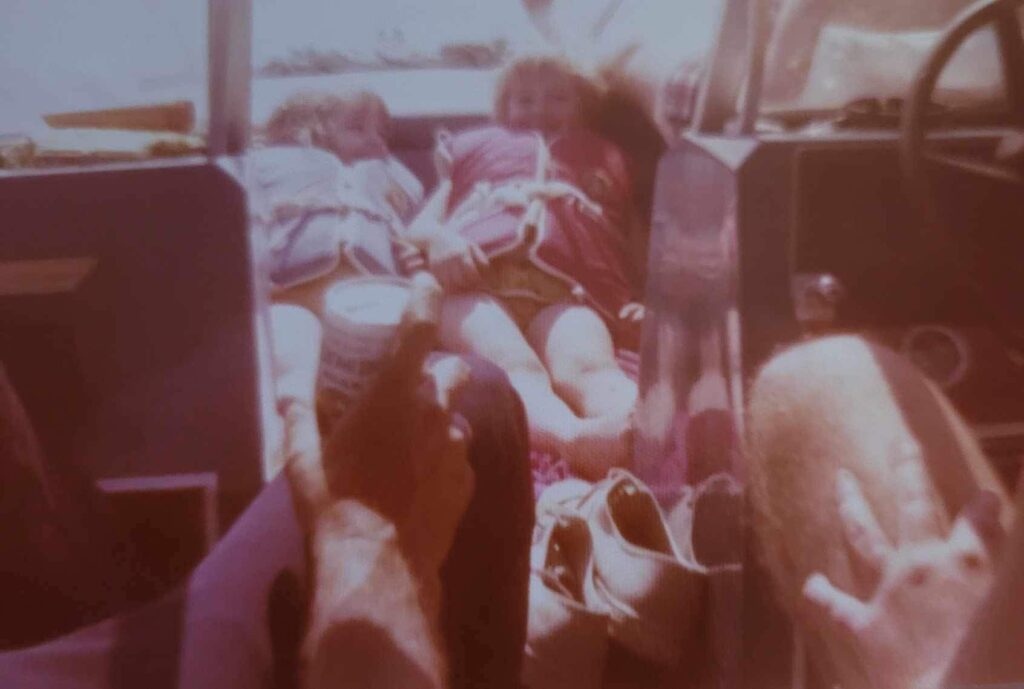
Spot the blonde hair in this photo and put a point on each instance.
(588, 90)
(303, 118)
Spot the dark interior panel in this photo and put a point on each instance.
(853, 219)
(148, 366)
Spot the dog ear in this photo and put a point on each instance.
(977, 530)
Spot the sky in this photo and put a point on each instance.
(65, 54)
(58, 55)
(278, 26)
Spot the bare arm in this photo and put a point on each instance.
(455, 262)
(429, 222)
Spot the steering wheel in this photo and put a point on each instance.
(1000, 13)
(917, 159)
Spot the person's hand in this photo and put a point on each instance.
(457, 263)
(632, 312)
(410, 258)
(927, 587)
(399, 450)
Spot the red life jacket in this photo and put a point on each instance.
(566, 202)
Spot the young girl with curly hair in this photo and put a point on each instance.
(528, 231)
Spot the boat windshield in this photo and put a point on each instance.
(824, 54)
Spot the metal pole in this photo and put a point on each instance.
(757, 32)
(726, 65)
(229, 76)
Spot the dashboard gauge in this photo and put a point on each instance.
(940, 352)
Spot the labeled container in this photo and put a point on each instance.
(361, 318)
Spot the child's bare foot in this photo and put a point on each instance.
(601, 443)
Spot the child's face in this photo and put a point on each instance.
(545, 100)
(355, 134)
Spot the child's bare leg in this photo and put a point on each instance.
(478, 324)
(577, 350)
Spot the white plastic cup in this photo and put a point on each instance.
(360, 319)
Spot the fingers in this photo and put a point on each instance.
(918, 517)
(860, 527)
(836, 607)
